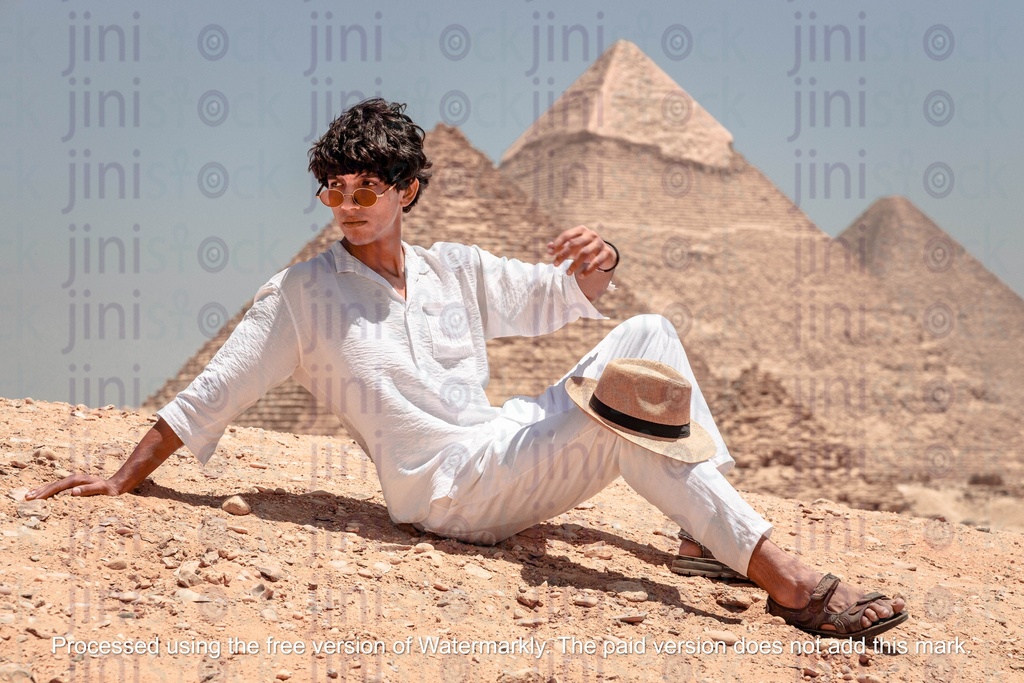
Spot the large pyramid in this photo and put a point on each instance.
(812, 362)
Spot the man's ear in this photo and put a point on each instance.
(409, 193)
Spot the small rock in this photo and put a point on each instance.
(33, 508)
(261, 591)
(422, 548)
(435, 558)
(585, 601)
(737, 600)
(38, 632)
(343, 566)
(532, 621)
(236, 505)
(440, 586)
(188, 574)
(477, 571)
(868, 678)
(600, 553)
(117, 564)
(128, 596)
(631, 618)
(283, 675)
(629, 590)
(808, 671)
(727, 637)
(44, 453)
(864, 659)
(530, 598)
(269, 614)
(237, 529)
(522, 676)
(20, 460)
(18, 494)
(271, 572)
(16, 673)
(190, 595)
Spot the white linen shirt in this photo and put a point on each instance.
(405, 376)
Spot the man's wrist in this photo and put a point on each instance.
(614, 265)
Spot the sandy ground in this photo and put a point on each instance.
(317, 563)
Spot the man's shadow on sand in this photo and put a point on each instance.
(528, 548)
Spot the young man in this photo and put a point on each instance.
(392, 338)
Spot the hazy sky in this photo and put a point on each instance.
(152, 165)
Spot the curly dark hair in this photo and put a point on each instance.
(374, 137)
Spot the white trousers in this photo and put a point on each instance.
(565, 457)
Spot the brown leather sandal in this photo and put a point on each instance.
(847, 624)
(706, 565)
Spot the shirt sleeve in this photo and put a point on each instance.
(262, 352)
(527, 299)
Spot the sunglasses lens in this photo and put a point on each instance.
(364, 197)
(332, 198)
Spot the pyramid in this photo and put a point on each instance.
(773, 305)
(468, 202)
(625, 96)
(962, 306)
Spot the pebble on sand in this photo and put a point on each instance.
(236, 505)
(530, 598)
(631, 618)
(727, 637)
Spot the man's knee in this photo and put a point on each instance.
(646, 326)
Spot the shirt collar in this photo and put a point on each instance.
(345, 262)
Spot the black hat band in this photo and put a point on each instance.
(637, 424)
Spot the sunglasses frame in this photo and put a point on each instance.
(376, 196)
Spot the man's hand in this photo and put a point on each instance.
(586, 249)
(155, 447)
(588, 253)
(80, 485)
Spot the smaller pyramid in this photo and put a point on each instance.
(626, 96)
(958, 306)
(893, 236)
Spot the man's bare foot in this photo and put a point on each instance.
(791, 584)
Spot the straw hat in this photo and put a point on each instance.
(645, 402)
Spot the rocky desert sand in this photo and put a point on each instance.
(278, 562)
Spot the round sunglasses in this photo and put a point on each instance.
(363, 197)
